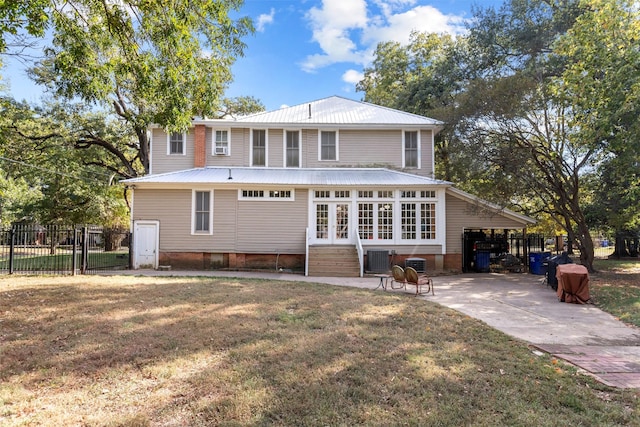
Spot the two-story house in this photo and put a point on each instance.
(320, 187)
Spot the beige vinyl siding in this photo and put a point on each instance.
(356, 148)
(272, 226)
(237, 144)
(173, 209)
(161, 162)
(462, 214)
(275, 148)
(426, 154)
(225, 205)
(309, 143)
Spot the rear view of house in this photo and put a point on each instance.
(330, 187)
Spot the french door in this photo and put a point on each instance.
(332, 222)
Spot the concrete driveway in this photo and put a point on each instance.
(522, 306)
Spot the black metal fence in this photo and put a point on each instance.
(29, 248)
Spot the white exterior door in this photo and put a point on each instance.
(145, 235)
(332, 223)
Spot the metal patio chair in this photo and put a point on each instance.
(419, 281)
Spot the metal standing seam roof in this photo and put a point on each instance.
(334, 110)
(288, 176)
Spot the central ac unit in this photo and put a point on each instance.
(221, 151)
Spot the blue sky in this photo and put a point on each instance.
(305, 50)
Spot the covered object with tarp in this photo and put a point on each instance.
(573, 283)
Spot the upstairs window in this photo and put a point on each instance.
(328, 145)
(259, 147)
(221, 142)
(176, 143)
(292, 149)
(411, 149)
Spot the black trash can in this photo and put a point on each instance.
(553, 263)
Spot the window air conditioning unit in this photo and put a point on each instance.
(221, 151)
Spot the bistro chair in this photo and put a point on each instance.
(398, 277)
(412, 278)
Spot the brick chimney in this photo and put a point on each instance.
(200, 147)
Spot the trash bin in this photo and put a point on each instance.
(553, 264)
(483, 261)
(537, 262)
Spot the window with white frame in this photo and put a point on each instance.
(292, 149)
(411, 149)
(328, 145)
(365, 221)
(385, 220)
(221, 142)
(202, 212)
(408, 220)
(427, 220)
(259, 147)
(176, 143)
(279, 194)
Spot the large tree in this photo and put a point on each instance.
(45, 179)
(602, 83)
(145, 62)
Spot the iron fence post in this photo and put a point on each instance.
(74, 252)
(85, 250)
(12, 248)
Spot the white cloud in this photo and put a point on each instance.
(398, 27)
(352, 76)
(332, 27)
(265, 19)
(349, 30)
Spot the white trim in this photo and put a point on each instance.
(150, 138)
(184, 144)
(193, 212)
(284, 148)
(266, 147)
(213, 141)
(419, 150)
(337, 132)
(433, 153)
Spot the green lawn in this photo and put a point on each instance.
(615, 288)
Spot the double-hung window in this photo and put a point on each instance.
(292, 149)
(259, 147)
(176, 143)
(328, 145)
(411, 149)
(202, 215)
(221, 142)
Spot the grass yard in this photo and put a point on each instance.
(143, 351)
(615, 288)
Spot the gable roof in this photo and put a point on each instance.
(334, 110)
(232, 176)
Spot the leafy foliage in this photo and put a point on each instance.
(537, 96)
(145, 62)
(45, 179)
